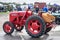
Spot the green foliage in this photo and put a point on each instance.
(9, 7)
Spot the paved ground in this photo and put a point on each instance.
(53, 35)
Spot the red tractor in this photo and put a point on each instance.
(35, 25)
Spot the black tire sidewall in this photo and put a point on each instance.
(43, 28)
(11, 25)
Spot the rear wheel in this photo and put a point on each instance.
(35, 26)
(8, 27)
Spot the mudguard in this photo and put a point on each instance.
(48, 17)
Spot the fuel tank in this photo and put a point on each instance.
(48, 17)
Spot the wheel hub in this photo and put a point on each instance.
(7, 28)
(35, 26)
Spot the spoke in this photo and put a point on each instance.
(31, 21)
(34, 26)
(31, 29)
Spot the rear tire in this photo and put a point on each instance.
(8, 27)
(42, 28)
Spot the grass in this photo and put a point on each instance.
(4, 12)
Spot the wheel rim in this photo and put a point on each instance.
(34, 26)
(7, 28)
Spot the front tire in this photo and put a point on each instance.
(35, 23)
(8, 27)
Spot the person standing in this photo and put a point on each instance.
(19, 8)
(45, 9)
(37, 9)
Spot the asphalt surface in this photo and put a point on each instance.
(52, 35)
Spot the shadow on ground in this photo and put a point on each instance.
(23, 37)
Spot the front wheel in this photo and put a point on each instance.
(35, 26)
(8, 27)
